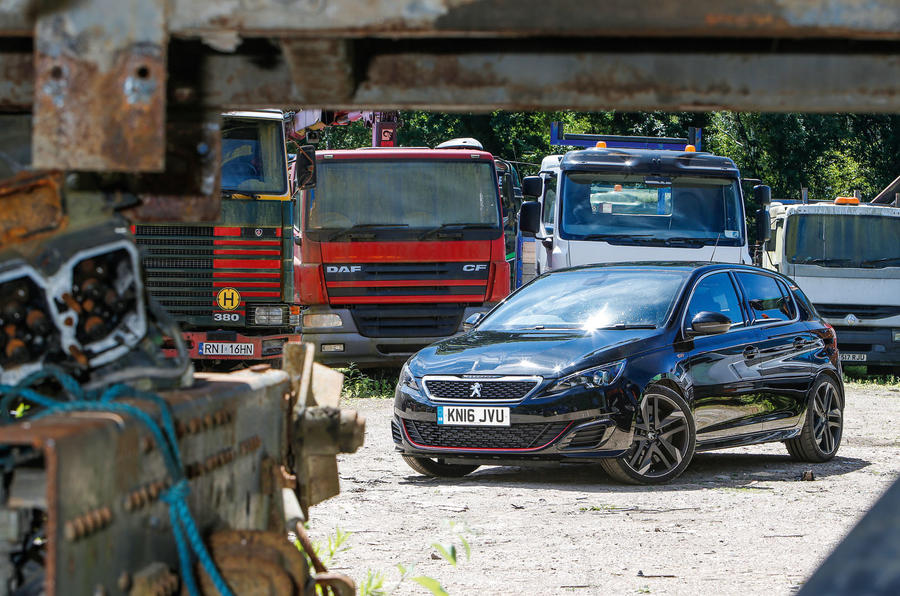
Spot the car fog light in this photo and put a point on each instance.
(332, 347)
(326, 320)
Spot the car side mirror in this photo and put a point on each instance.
(305, 168)
(473, 320)
(709, 323)
(762, 194)
(530, 217)
(532, 186)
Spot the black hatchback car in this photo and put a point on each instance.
(640, 365)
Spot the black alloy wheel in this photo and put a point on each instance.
(436, 468)
(664, 440)
(820, 436)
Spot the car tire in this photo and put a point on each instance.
(437, 468)
(665, 440)
(820, 436)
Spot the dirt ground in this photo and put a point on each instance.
(736, 522)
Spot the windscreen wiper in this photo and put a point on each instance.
(230, 194)
(359, 227)
(456, 227)
(619, 237)
(879, 263)
(628, 326)
(686, 240)
(826, 262)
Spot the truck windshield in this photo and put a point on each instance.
(651, 209)
(831, 240)
(253, 157)
(444, 196)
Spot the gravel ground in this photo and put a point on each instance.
(736, 522)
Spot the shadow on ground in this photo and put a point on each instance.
(708, 470)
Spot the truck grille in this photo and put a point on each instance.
(352, 283)
(449, 389)
(186, 266)
(402, 320)
(516, 436)
(862, 311)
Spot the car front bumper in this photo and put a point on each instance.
(589, 425)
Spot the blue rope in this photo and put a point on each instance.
(184, 528)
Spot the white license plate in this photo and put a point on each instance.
(472, 416)
(217, 348)
(852, 357)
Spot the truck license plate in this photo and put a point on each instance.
(845, 357)
(225, 349)
(472, 416)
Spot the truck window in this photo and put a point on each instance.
(653, 209)
(414, 193)
(837, 240)
(549, 205)
(253, 156)
(766, 299)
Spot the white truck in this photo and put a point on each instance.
(846, 257)
(605, 205)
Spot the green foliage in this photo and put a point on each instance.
(377, 383)
(431, 584)
(373, 584)
(861, 375)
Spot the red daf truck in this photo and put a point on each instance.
(397, 248)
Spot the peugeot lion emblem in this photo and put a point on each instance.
(476, 390)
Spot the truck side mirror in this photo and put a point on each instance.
(532, 186)
(305, 168)
(530, 217)
(763, 225)
(762, 194)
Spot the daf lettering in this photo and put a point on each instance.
(478, 267)
(343, 268)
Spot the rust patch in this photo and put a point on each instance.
(32, 206)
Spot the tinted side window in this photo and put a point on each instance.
(549, 204)
(767, 301)
(790, 306)
(715, 293)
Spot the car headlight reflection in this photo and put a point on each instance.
(590, 378)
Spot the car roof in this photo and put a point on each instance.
(698, 266)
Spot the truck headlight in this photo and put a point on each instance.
(590, 378)
(269, 315)
(324, 320)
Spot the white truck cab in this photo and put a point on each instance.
(845, 256)
(605, 205)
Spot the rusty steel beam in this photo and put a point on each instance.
(589, 81)
(852, 19)
(99, 92)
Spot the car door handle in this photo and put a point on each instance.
(751, 352)
(799, 342)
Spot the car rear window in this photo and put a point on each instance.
(768, 302)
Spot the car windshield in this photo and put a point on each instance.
(253, 156)
(651, 209)
(418, 194)
(590, 299)
(832, 240)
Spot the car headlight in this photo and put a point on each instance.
(406, 379)
(590, 378)
(322, 320)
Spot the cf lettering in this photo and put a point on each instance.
(469, 268)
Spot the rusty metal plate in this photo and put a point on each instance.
(99, 92)
(31, 205)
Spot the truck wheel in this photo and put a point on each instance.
(821, 434)
(436, 468)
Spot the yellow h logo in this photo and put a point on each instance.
(228, 299)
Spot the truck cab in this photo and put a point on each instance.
(833, 251)
(603, 205)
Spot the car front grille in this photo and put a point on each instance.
(454, 389)
(516, 436)
(863, 312)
